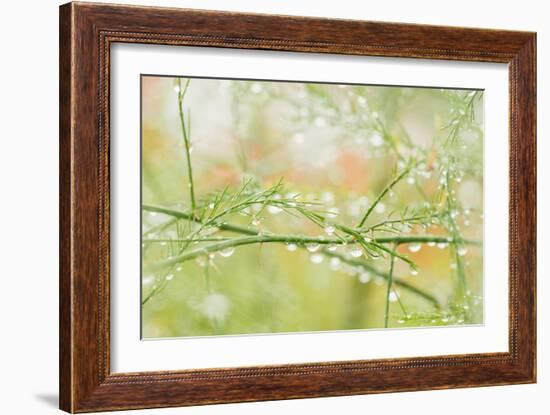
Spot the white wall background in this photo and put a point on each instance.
(29, 193)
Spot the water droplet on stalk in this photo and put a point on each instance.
(255, 221)
(462, 251)
(330, 229)
(442, 245)
(313, 247)
(274, 210)
(393, 297)
(291, 247)
(227, 252)
(332, 247)
(431, 244)
(169, 277)
(355, 251)
(414, 272)
(411, 180)
(414, 247)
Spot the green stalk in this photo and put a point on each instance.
(187, 142)
(382, 194)
(388, 291)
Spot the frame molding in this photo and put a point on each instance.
(86, 33)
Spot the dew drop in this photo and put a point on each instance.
(462, 251)
(411, 180)
(227, 252)
(178, 268)
(291, 247)
(414, 247)
(313, 247)
(442, 245)
(169, 277)
(163, 243)
(333, 212)
(255, 221)
(330, 229)
(414, 272)
(316, 258)
(393, 297)
(332, 247)
(431, 244)
(274, 210)
(355, 251)
(148, 280)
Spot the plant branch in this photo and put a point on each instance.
(187, 142)
(382, 194)
(388, 291)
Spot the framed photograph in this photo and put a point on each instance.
(259, 207)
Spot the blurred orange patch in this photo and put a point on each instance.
(355, 171)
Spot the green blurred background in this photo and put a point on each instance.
(338, 145)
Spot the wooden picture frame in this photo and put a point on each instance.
(86, 33)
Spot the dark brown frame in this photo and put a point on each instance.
(86, 33)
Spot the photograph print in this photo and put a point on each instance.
(285, 207)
